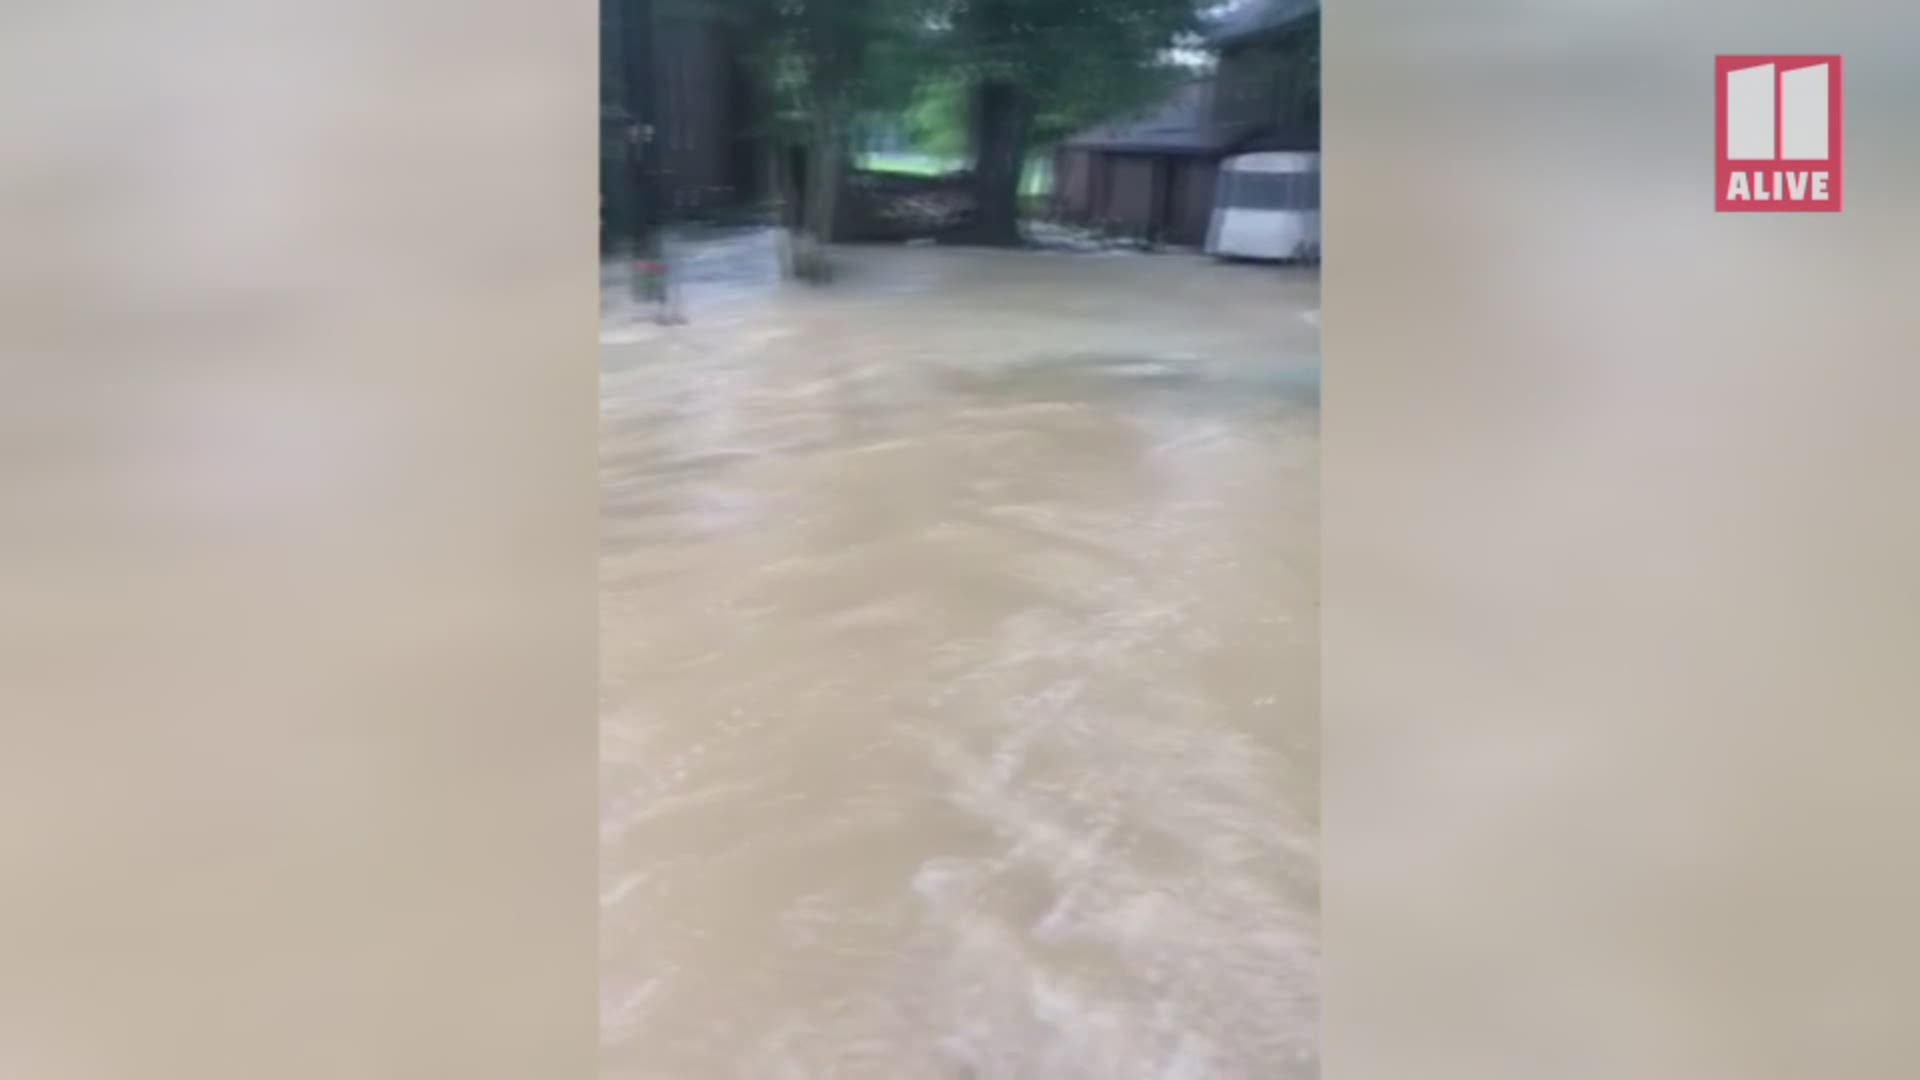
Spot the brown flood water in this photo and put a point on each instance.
(960, 675)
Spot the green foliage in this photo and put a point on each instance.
(827, 54)
(1093, 95)
(1077, 61)
(936, 117)
(1035, 181)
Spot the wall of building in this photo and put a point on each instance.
(1132, 193)
(1190, 209)
(1166, 197)
(1072, 184)
(702, 151)
(1265, 83)
(696, 116)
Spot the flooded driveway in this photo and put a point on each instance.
(959, 667)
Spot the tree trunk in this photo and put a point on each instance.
(1002, 124)
(784, 191)
(825, 173)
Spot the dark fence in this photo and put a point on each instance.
(880, 207)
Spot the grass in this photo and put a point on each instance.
(1037, 181)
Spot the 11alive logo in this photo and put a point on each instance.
(1777, 134)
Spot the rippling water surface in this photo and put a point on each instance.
(959, 673)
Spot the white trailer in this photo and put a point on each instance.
(1267, 206)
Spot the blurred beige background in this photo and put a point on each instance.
(297, 541)
(1619, 577)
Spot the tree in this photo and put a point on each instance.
(935, 117)
(1038, 68)
(816, 61)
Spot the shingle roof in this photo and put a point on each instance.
(1182, 123)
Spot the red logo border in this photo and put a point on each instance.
(1836, 113)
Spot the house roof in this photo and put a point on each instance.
(1182, 123)
(1254, 19)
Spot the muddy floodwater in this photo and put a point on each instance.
(959, 667)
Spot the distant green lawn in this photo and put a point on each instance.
(1037, 181)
